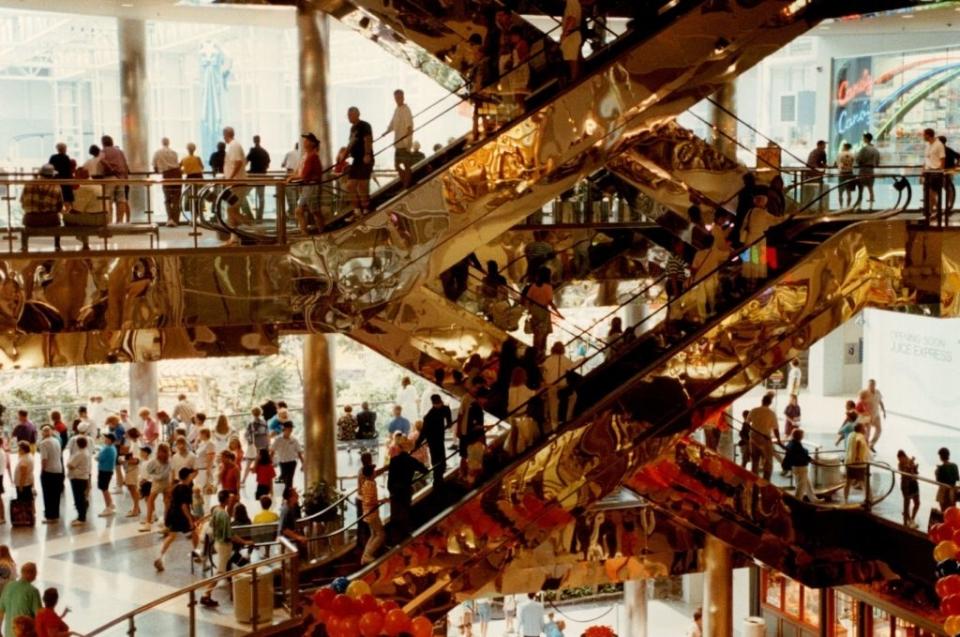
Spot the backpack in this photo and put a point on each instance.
(953, 158)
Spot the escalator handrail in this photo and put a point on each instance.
(560, 383)
(607, 402)
(734, 258)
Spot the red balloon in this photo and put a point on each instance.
(333, 626)
(950, 605)
(349, 626)
(323, 597)
(371, 624)
(938, 533)
(342, 606)
(322, 615)
(396, 622)
(951, 585)
(951, 517)
(421, 627)
(368, 604)
(388, 605)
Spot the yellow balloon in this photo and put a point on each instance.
(952, 625)
(358, 588)
(946, 550)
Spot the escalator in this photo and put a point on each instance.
(468, 195)
(657, 380)
(819, 545)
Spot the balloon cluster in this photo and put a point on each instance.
(349, 609)
(946, 539)
(599, 631)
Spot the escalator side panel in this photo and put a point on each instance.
(94, 347)
(819, 546)
(605, 547)
(418, 40)
(618, 430)
(668, 162)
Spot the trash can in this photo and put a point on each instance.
(243, 596)
(754, 627)
(828, 470)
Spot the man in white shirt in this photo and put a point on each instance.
(166, 162)
(531, 617)
(794, 378)
(234, 167)
(51, 474)
(934, 163)
(286, 451)
(763, 431)
(407, 399)
(79, 470)
(206, 455)
(182, 457)
(401, 125)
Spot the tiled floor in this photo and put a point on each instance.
(106, 568)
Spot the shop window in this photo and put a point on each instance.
(882, 625)
(845, 616)
(773, 589)
(811, 606)
(792, 598)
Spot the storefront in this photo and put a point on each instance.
(793, 610)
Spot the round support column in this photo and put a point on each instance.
(314, 34)
(319, 409)
(132, 40)
(717, 589)
(144, 384)
(635, 605)
(723, 120)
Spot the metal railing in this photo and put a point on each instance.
(288, 560)
(871, 499)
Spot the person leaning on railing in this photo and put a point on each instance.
(310, 172)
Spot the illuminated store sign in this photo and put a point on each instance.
(895, 96)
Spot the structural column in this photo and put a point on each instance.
(319, 410)
(319, 399)
(717, 589)
(635, 603)
(723, 120)
(132, 37)
(144, 383)
(314, 36)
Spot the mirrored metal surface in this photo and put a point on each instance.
(816, 545)
(671, 165)
(640, 420)
(496, 183)
(22, 351)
